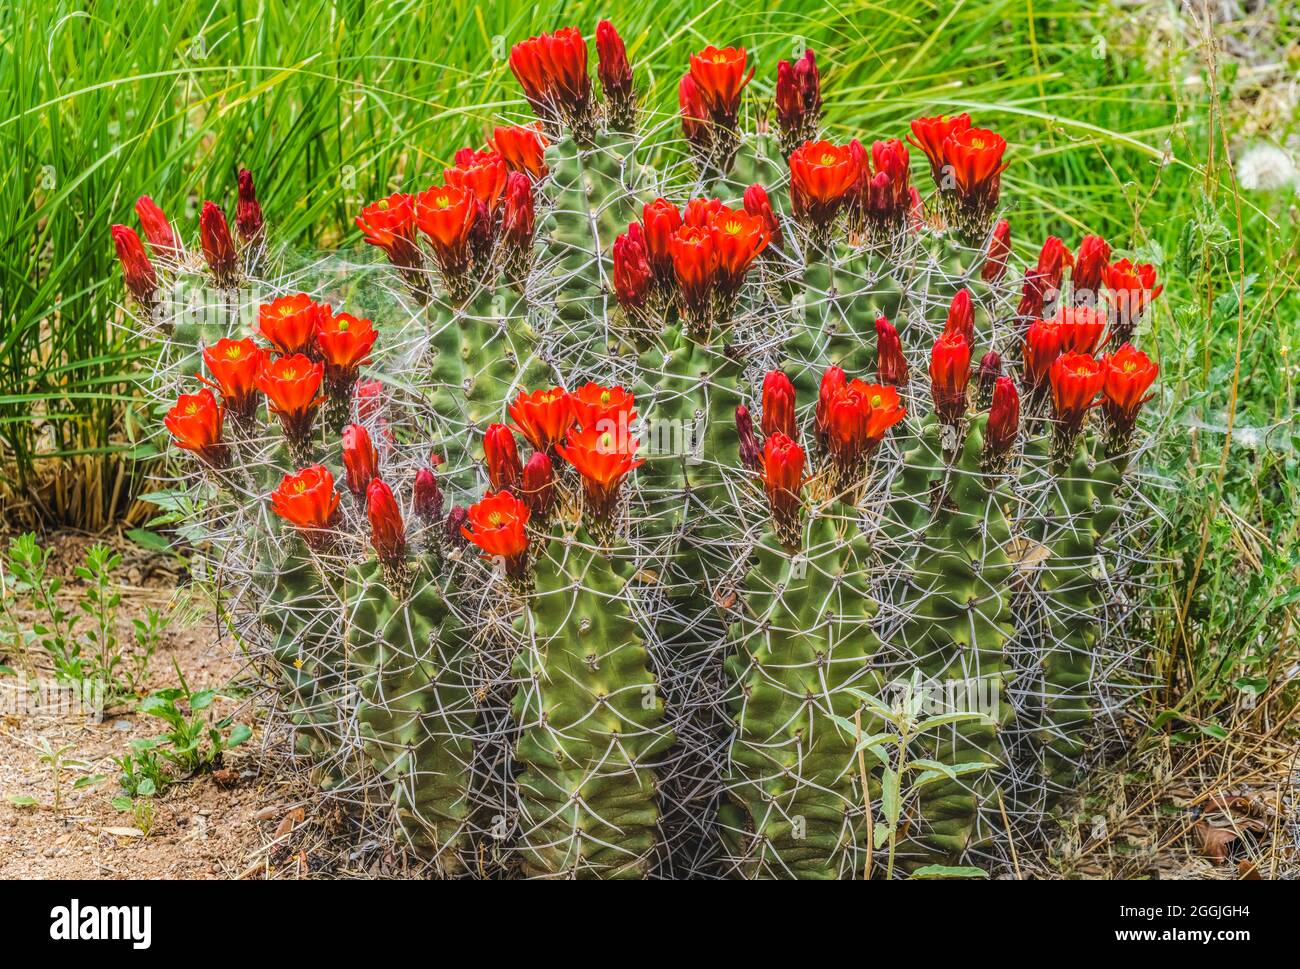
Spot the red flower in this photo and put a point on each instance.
(387, 530)
(1042, 347)
(778, 405)
(504, 469)
(857, 416)
(543, 416)
(659, 220)
(719, 75)
(700, 213)
(881, 200)
(758, 204)
(446, 215)
(307, 498)
(523, 147)
(990, 371)
(1080, 328)
(961, 316)
(695, 115)
(949, 375)
(632, 274)
(481, 174)
(891, 365)
(1004, 419)
(234, 365)
(290, 323)
(1129, 374)
(390, 225)
(594, 404)
(360, 459)
(695, 262)
(496, 525)
(157, 230)
(291, 385)
(552, 70)
(783, 475)
(615, 75)
(539, 486)
(518, 218)
(1089, 267)
(738, 238)
(822, 176)
(798, 99)
(195, 423)
(141, 279)
(427, 496)
(603, 458)
(1130, 289)
(248, 210)
(1076, 379)
(750, 455)
(975, 155)
(344, 341)
(995, 260)
(833, 380)
(931, 134)
(218, 247)
(1043, 282)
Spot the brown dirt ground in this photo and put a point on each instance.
(1211, 809)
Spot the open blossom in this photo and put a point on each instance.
(1076, 379)
(798, 100)
(1130, 288)
(949, 376)
(290, 322)
(1129, 374)
(854, 419)
(307, 499)
(446, 215)
(523, 147)
(344, 342)
(822, 177)
(966, 164)
(695, 262)
(248, 210)
(783, 477)
(930, 136)
(719, 76)
(504, 468)
(1080, 328)
(390, 225)
(758, 204)
(778, 405)
(497, 525)
(387, 530)
(543, 417)
(1090, 264)
(196, 423)
(291, 385)
(481, 174)
(141, 278)
(552, 70)
(603, 458)
(891, 365)
(360, 459)
(601, 407)
(539, 486)
(218, 246)
(738, 238)
(615, 75)
(995, 260)
(158, 231)
(234, 365)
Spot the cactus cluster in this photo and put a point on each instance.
(701, 506)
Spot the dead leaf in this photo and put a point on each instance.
(1248, 871)
(1214, 841)
(226, 778)
(287, 823)
(123, 832)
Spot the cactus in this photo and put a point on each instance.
(661, 642)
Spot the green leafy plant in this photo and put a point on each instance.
(193, 742)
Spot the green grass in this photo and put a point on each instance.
(332, 105)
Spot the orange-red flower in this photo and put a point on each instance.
(603, 458)
(1130, 289)
(695, 262)
(1089, 267)
(891, 365)
(344, 342)
(1129, 374)
(543, 416)
(218, 246)
(291, 385)
(360, 459)
(481, 174)
(387, 530)
(949, 375)
(833, 380)
(552, 70)
(594, 404)
(141, 278)
(518, 219)
(307, 499)
(783, 476)
(719, 75)
(1042, 347)
(1077, 379)
(390, 225)
(758, 204)
(234, 365)
(660, 219)
(857, 417)
(931, 134)
(738, 238)
(248, 210)
(975, 155)
(822, 177)
(497, 526)
(195, 423)
(961, 316)
(523, 147)
(995, 260)
(632, 274)
(290, 322)
(778, 405)
(1080, 328)
(446, 215)
(701, 212)
(157, 229)
(499, 450)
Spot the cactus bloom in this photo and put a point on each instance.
(543, 417)
(390, 225)
(344, 342)
(961, 316)
(552, 70)
(158, 231)
(778, 405)
(307, 499)
(1090, 262)
(750, 455)
(387, 530)
(1130, 289)
(481, 174)
(975, 156)
(539, 486)
(822, 176)
(604, 458)
(738, 238)
(695, 116)
(446, 215)
(660, 219)
(504, 468)
(248, 210)
(798, 100)
(218, 246)
(497, 526)
(291, 385)
(857, 416)
(523, 147)
(1080, 328)
(360, 459)
(1076, 379)
(518, 217)
(995, 259)
(1043, 281)
(604, 408)
(196, 423)
(695, 262)
(427, 496)
(1129, 374)
(758, 204)
(1042, 347)
(615, 75)
(833, 380)
(931, 135)
(454, 528)
(290, 323)
(1003, 423)
(719, 76)
(949, 375)
(141, 278)
(881, 194)
(234, 365)
(891, 365)
(990, 371)
(632, 274)
(783, 476)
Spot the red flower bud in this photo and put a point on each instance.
(523, 147)
(1089, 268)
(141, 279)
(695, 115)
(995, 260)
(961, 316)
(798, 99)
(778, 405)
(1080, 328)
(196, 423)
(157, 230)
(949, 375)
(539, 486)
(719, 75)
(833, 380)
(632, 274)
(1004, 419)
(387, 530)
(758, 204)
(518, 221)
(234, 365)
(427, 496)
(750, 456)
(1043, 282)
(543, 417)
(306, 499)
(783, 475)
(457, 518)
(989, 373)
(1042, 347)
(660, 219)
(290, 323)
(1129, 374)
(504, 469)
(218, 247)
(891, 365)
(497, 526)
(360, 459)
(248, 211)
(615, 76)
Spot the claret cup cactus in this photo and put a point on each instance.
(683, 496)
